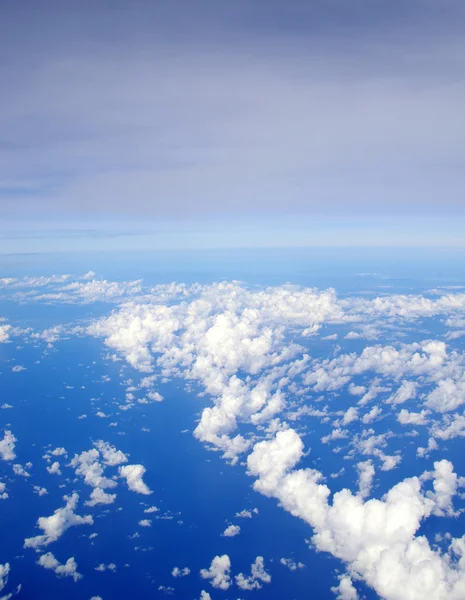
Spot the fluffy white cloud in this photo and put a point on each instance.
(345, 590)
(377, 537)
(111, 456)
(48, 561)
(257, 577)
(413, 418)
(4, 333)
(88, 466)
(231, 531)
(99, 496)
(7, 446)
(145, 523)
(56, 525)
(219, 572)
(54, 468)
(133, 475)
(366, 473)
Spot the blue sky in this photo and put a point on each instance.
(213, 124)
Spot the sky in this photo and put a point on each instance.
(153, 124)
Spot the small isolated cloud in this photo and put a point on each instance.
(18, 368)
(231, 531)
(103, 567)
(219, 572)
(7, 446)
(257, 576)
(69, 569)
(99, 496)
(177, 572)
(145, 523)
(133, 475)
(4, 333)
(54, 468)
(291, 564)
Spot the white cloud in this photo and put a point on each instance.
(219, 572)
(413, 418)
(366, 473)
(4, 333)
(7, 446)
(291, 564)
(145, 523)
(48, 561)
(377, 537)
(133, 475)
(257, 576)
(231, 531)
(345, 590)
(99, 496)
(54, 468)
(88, 466)
(102, 567)
(4, 573)
(111, 456)
(177, 572)
(3, 492)
(56, 525)
(20, 470)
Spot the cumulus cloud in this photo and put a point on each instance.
(56, 525)
(7, 446)
(231, 531)
(257, 577)
(3, 492)
(377, 537)
(99, 496)
(69, 569)
(219, 572)
(345, 590)
(133, 475)
(366, 473)
(4, 333)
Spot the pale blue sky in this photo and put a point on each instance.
(244, 123)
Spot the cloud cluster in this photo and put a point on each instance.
(376, 538)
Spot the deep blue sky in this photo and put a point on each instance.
(247, 123)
